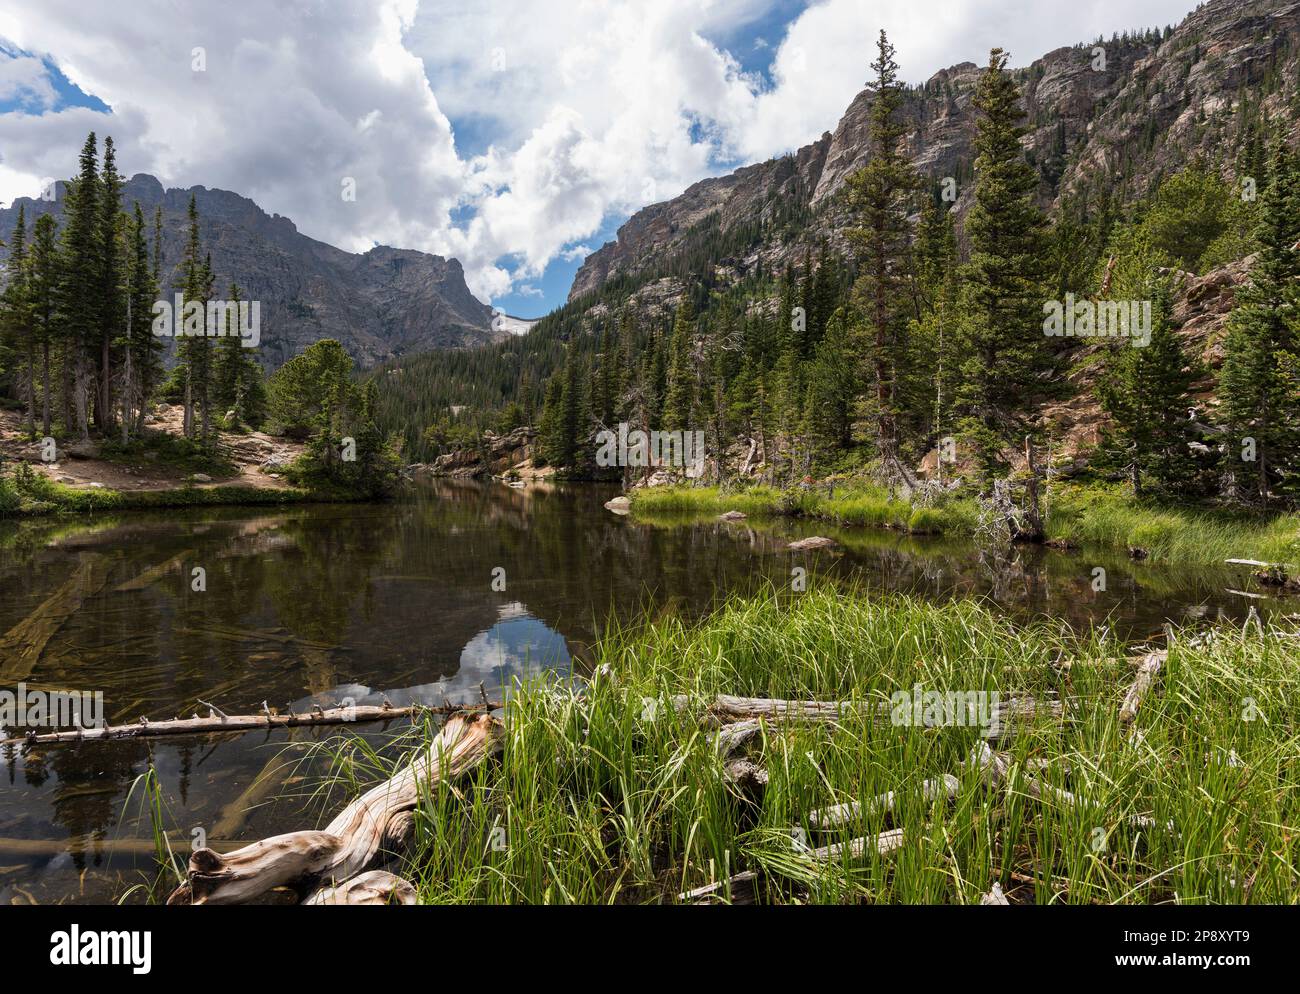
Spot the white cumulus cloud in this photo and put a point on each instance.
(572, 111)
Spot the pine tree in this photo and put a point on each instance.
(1002, 320)
(191, 349)
(142, 351)
(16, 317)
(680, 396)
(573, 411)
(880, 195)
(1147, 393)
(111, 300)
(237, 389)
(43, 292)
(80, 286)
(1260, 379)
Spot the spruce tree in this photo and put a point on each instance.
(880, 195)
(679, 398)
(1147, 393)
(80, 286)
(111, 300)
(1002, 325)
(16, 318)
(43, 295)
(1260, 379)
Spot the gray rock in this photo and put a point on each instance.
(813, 542)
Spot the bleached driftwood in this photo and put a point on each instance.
(214, 723)
(353, 840)
(852, 811)
(372, 887)
(1146, 674)
(995, 896)
(855, 849)
(745, 711)
(740, 887)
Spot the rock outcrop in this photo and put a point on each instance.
(498, 454)
(1121, 112)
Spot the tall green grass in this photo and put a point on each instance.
(1111, 517)
(860, 506)
(607, 793)
(1088, 516)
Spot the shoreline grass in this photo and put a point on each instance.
(36, 496)
(600, 797)
(1091, 516)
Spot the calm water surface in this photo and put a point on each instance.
(401, 601)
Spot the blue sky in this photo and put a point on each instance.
(511, 134)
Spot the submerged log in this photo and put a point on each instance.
(90, 845)
(217, 723)
(155, 573)
(22, 645)
(353, 840)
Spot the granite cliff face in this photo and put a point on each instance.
(380, 305)
(1120, 112)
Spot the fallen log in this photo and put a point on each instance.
(373, 887)
(133, 847)
(739, 889)
(217, 723)
(272, 778)
(855, 849)
(746, 712)
(155, 573)
(349, 844)
(852, 811)
(22, 645)
(1146, 675)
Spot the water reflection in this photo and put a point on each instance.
(319, 604)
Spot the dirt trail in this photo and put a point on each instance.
(80, 466)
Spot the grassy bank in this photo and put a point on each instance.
(1085, 516)
(38, 495)
(613, 795)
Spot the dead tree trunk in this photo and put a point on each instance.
(349, 844)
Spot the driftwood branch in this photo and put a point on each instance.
(1146, 675)
(856, 849)
(353, 840)
(739, 889)
(995, 896)
(373, 887)
(239, 723)
(741, 716)
(853, 811)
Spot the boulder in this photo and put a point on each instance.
(813, 542)
(82, 450)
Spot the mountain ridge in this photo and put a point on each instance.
(381, 304)
(1157, 100)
